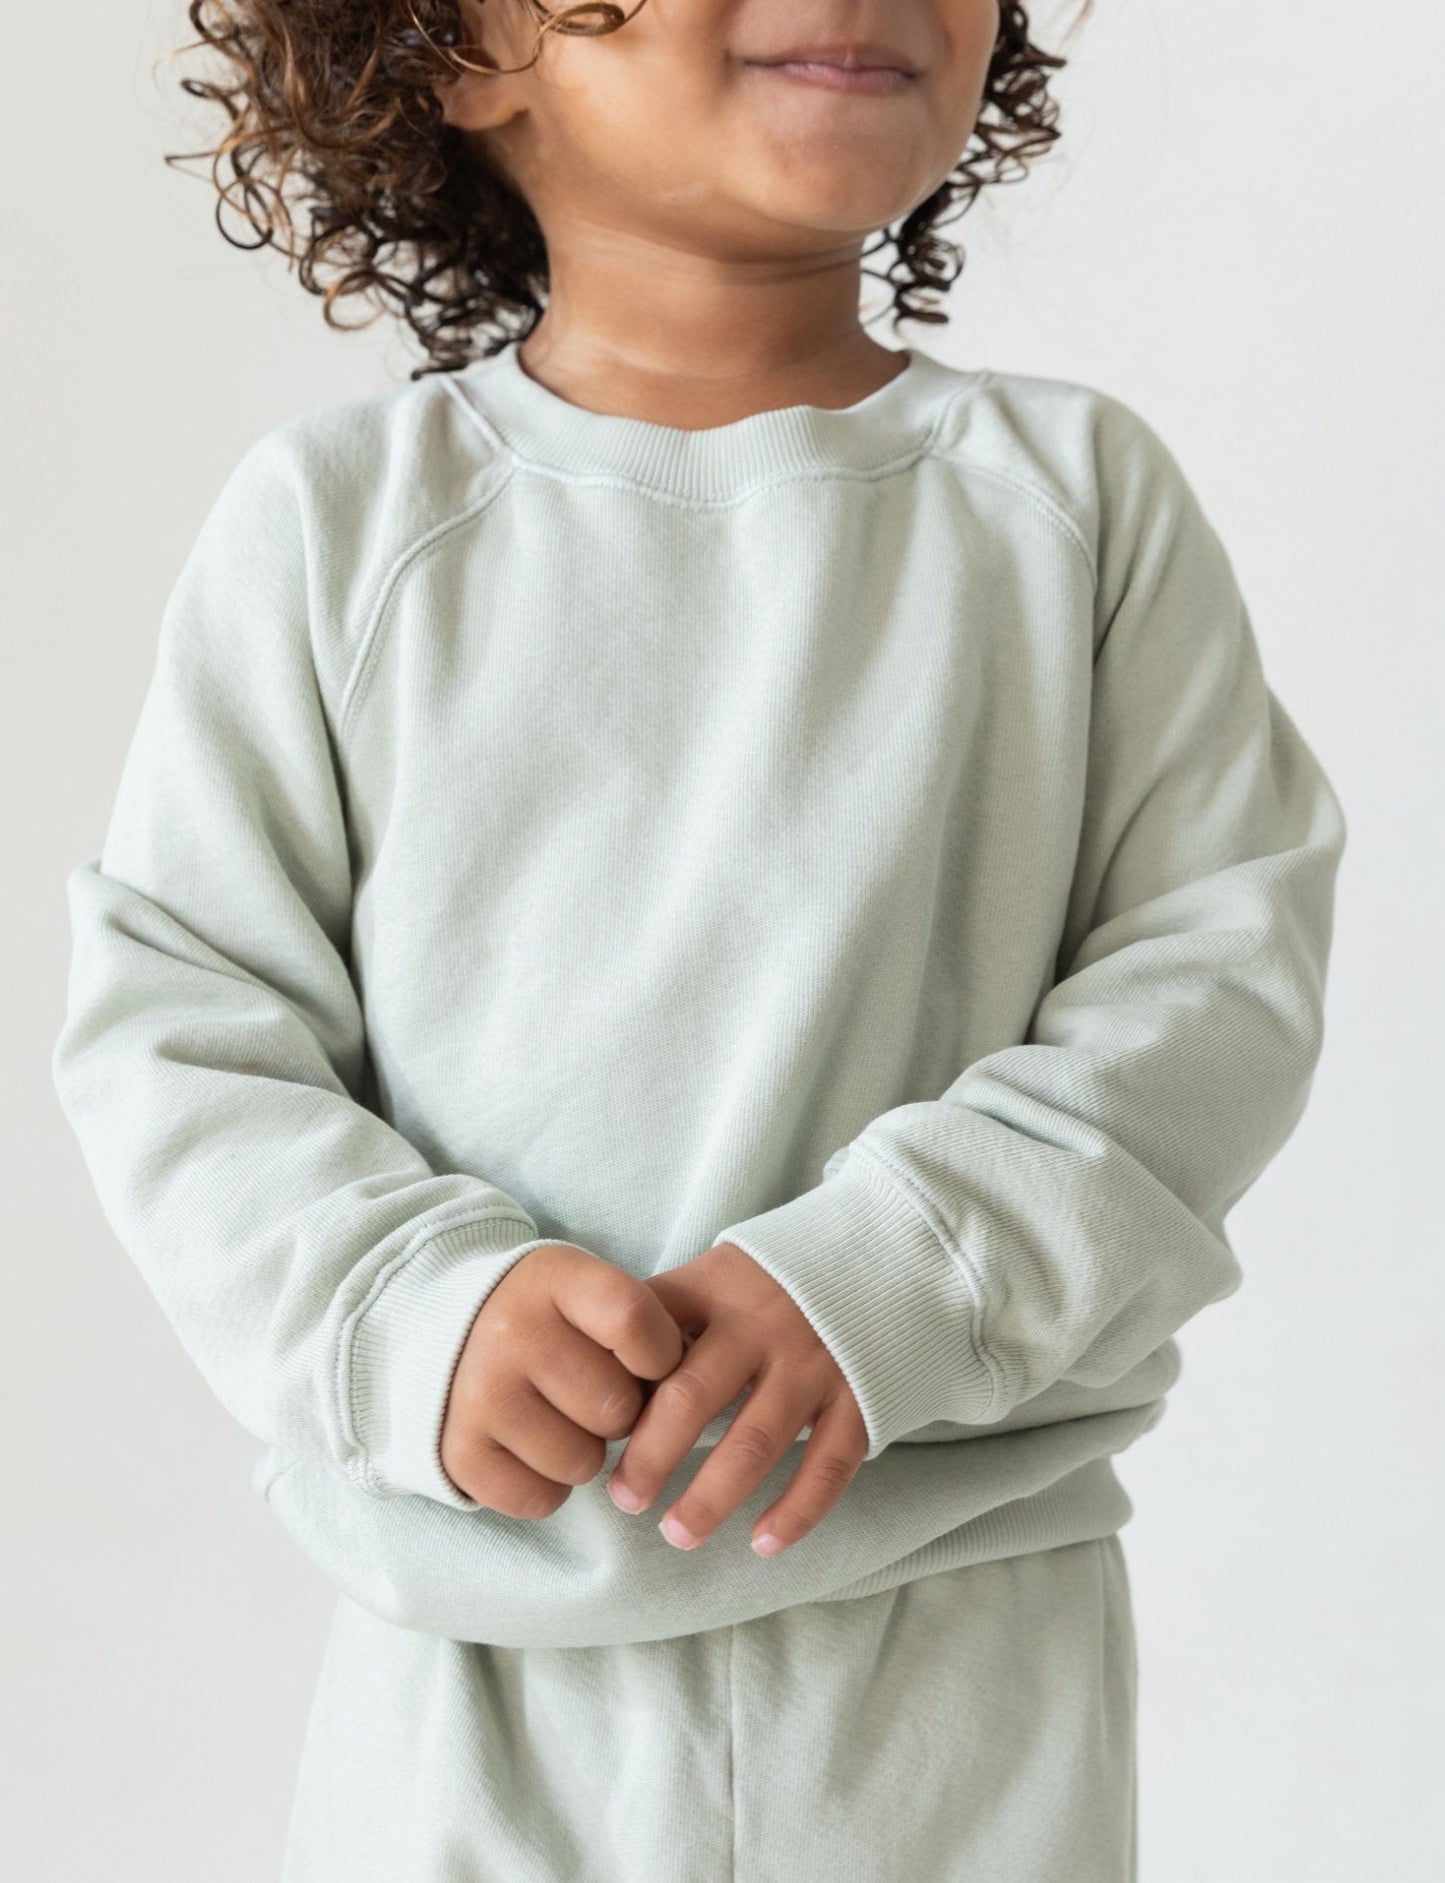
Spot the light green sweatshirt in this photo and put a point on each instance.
(862, 835)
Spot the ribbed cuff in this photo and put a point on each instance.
(405, 1348)
(883, 1294)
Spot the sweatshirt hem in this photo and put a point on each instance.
(590, 1576)
(1087, 1504)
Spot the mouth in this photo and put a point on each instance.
(866, 69)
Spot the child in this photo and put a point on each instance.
(704, 910)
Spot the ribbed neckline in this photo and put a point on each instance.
(538, 426)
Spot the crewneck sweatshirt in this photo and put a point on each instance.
(864, 835)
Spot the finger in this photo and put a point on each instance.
(534, 1430)
(619, 1312)
(689, 1304)
(836, 1447)
(762, 1431)
(585, 1382)
(498, 1479)
(710, 1378)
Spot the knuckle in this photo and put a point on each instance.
(507, 1399)
(548, 1350)
(682, 1392)
(833, 1473)
(631, 1310)
(753, 1444)
(622, 1406)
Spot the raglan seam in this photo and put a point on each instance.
(928, 446)
(364, 663)
(1039, 497)
(510, 460)
(501, 473)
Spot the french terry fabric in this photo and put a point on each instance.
(865, 835)
(974, 1726)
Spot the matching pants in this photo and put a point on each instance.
(974, 1726)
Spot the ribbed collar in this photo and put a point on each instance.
(539, 427)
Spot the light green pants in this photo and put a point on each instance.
(974, 1726)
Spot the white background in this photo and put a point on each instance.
(1239, 235)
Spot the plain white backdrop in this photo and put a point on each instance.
(1239, 235)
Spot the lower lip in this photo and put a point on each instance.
(871, 81)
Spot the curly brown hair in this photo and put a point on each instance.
(333, 101)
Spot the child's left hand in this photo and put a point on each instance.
(747, 1331)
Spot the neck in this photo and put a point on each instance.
(689, 341)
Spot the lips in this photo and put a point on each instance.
(850, 58)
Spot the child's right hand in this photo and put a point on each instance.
(550, 1371)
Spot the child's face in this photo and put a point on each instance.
(671, 130)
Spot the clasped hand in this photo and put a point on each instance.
(569, 1351)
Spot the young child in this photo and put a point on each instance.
(704, 918)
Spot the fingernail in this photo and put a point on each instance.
(623, 1496)
(677, 1533)
(767, 1544)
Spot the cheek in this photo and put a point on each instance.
(732, 145)
(972, 35)
(627, 141)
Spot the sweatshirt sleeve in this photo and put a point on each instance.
(212, 1059)
(1058, 1212)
